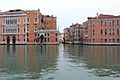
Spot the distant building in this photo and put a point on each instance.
(102, 29)
(27, 27)
(85, 32)
(76, 33)
(61, 37)
(66, 37)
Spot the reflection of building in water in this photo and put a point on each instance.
(103, 57)
(100, 60)
(28, 58)
(44, 58)
(1, 56)
(73, 50)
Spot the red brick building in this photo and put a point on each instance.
(27, 27)
(49, 30)
(102, 29)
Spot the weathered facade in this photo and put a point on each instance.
(27, 27)
(66, 37)
(61, 37)
(102, 29)
(74, 34)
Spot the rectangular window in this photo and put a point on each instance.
(93, 32)
(35, 19)
(24, 30)
(109, 23)
(105, 31)
(56, 34)
(117, 31)
(48, 39)
(113, 32)
(56, 40)
(117, 22)
(3, 30)
(109, 31)
(101, 31)
(105, 24)
(18, 30)
(28, 20)
(27, 40)
(45, 39)
(18, 21)
(101, 23)
(24, 20)
(105, 40)
(118, 40)
(27, 34)
(48, 34)
(112, 22)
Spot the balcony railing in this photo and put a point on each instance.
(43, 31)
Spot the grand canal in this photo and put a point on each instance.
(59, 62)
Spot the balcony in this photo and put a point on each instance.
(44, 31)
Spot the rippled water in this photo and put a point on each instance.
(59, 62)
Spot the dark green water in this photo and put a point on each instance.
(59, 62)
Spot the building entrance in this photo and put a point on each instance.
(41, 38)
(8, 39)
(13, 39)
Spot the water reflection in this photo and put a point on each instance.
(59, 62)
(101, 61)
(26, 61)
(104, 60)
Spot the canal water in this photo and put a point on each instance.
(59, 62)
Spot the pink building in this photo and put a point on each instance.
(27, 27)
(102, 29)
(13, 26)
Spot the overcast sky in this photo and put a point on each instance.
(66, 11)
